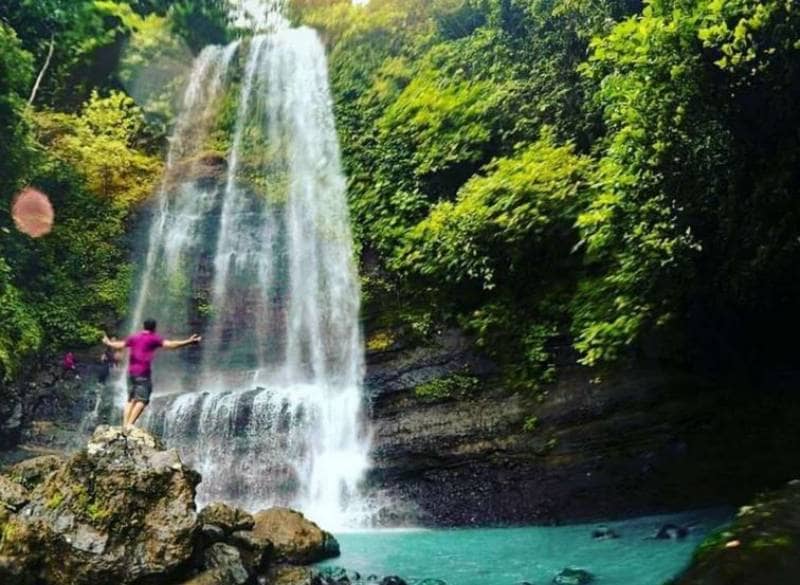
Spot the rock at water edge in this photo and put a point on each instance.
(120, 511)
(297, 540)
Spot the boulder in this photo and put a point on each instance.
(297, 541)
(293, 575)
(571, 576)
(226, 517)
(393, 580)
(223, 565)
(760, 547)
(12, 495)
(32, 472)
(256, 550)
(121, 511)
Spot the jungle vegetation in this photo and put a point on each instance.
(83, 120)
(615, 177)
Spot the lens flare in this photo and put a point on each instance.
(33, 213)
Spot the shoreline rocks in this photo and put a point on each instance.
(120, 511)
(123, 511)
(760, 547)
(297, 541)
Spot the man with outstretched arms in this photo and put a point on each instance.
(143, 347)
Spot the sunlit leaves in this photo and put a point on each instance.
(100, 144)
(523, 201)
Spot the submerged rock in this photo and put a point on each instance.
(297, 540)
(604, 533)
(672, 532)
(339, 576)
(571, 576)
(393, 580)
(120, 511)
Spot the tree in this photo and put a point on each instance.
(60, 34)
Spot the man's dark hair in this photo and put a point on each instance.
(150, 325)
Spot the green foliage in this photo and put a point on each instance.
(100, 144)
(15, 75)
(542, 173)
(593, 173)
(20, 333)
(380, 341)
(55, 500)
(524, 201)
(531, 424)
(59, 289)
(455, 386)
(456, 118)
(670, 167)
(76, 31)
(200, 22)
(89, 148)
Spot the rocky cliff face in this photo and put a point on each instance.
(454, 448)
(47, 399)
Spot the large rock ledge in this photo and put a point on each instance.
(637, 441)
(122, 511)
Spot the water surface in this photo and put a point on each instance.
(507, 556)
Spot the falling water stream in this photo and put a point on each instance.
(252, 247)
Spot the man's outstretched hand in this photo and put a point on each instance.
(112, 343)
(195, 339)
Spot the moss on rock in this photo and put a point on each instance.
(760, 547)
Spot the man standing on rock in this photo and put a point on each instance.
(143, 347)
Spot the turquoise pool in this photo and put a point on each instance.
(507, 556)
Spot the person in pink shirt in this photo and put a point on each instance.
(143, 347)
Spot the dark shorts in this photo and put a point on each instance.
(140, 388)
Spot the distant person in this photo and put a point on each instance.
(68, 362)
(70, 367)
(143, 347)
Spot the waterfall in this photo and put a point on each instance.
(252, 247)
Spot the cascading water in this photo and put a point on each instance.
(253, 246)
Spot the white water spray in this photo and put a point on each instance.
(254, 247)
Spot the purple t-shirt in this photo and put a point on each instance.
(143, 349)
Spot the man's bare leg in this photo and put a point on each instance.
(136, 412)
(126, 414)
